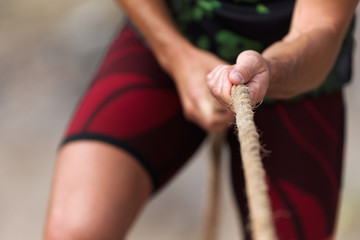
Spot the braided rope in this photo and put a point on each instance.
(256, 188)
(262, 227)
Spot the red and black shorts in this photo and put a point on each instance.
(133, 104)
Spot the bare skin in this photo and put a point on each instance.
(98, 189)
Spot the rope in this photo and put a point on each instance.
(213, 203)
(262, 227)
(261, 223)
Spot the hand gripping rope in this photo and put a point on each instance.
(261, 220)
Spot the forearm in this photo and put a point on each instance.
(302, 60)
(300, 64)
(154, 21)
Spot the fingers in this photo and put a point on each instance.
(215, 71)
(208, 114)
(219, 84)
(217, 118)
(248, 64)
(251, 69)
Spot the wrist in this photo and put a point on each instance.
(279, 74)
(172, 56)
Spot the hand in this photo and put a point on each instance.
(250, 69)
(189, 72)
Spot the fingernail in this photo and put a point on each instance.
(236, 77)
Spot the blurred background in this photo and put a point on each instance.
(49, 51)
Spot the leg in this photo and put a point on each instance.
(304, 166)
(127, 138)
(97, 191)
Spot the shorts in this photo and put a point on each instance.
(133, 104)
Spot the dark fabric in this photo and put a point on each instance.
(133, 104)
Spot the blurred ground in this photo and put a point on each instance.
(48, 53)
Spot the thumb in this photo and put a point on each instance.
(248, 64)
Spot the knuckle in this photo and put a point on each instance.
(250, 58)
(211, 83)
(251, 53)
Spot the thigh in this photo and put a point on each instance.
(133, 105)
(304, 166)
(127, 138)
(97, 192)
